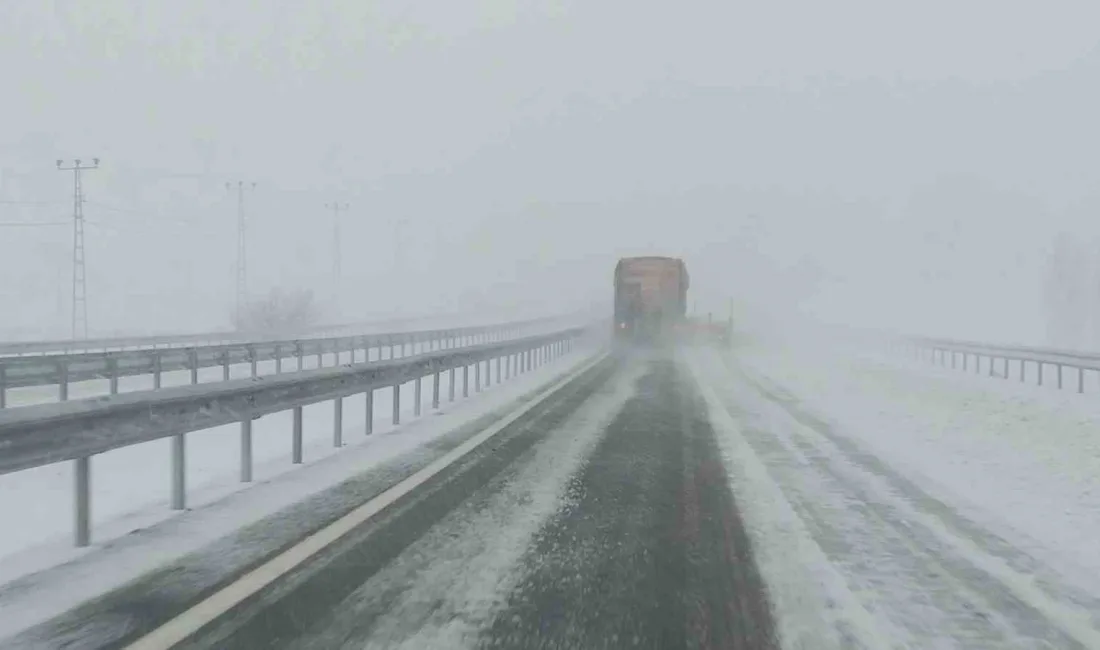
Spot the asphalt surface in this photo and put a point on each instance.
(654, 554)
(602, 520)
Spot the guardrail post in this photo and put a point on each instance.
(966, 358)
(179, 476)
(465, 381)
(320, 356)
(296, 437)
(246, 450)
(193, 358)
(1059, 376)
(1023, 364)
(3, 386)
(451, 387)
(370, 411)
(1080, 380)
(435, 390)
(992, 361)
(417, 397)
(477, 376)
(1040, 373)
(299, 353)
(252, 359)
(498, 371)
(396, 404)
(63, 382)
(338, 422)
(82, 501)
(278, 360)
(157, 365)
(225, 365)
(112, 375)
(977, 363)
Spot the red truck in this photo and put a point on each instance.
(650, 298)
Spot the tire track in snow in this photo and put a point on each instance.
(813, 607)
(954, 587)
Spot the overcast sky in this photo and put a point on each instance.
(884, 163)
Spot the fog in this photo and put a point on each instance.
(894, 165)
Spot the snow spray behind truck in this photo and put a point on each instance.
(650, 298)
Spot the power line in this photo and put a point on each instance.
(80, 298)
(180, 222)
(31, 224)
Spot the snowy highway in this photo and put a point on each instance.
(689, 499)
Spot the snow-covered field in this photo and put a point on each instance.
(130, 486)
(896, 504)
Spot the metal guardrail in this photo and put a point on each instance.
(120, 343)
(35, 436)
(61, 369)
(18, 348)
(956, 354)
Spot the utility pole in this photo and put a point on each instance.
(336, 271)
(399, 260)
(242, 253)
(80, 297)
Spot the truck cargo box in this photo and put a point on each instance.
(650, 297)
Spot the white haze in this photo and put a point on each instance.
(888, 164)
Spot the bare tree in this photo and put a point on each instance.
(280, 312)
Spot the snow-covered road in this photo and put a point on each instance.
(855, 550)
(767, 497)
